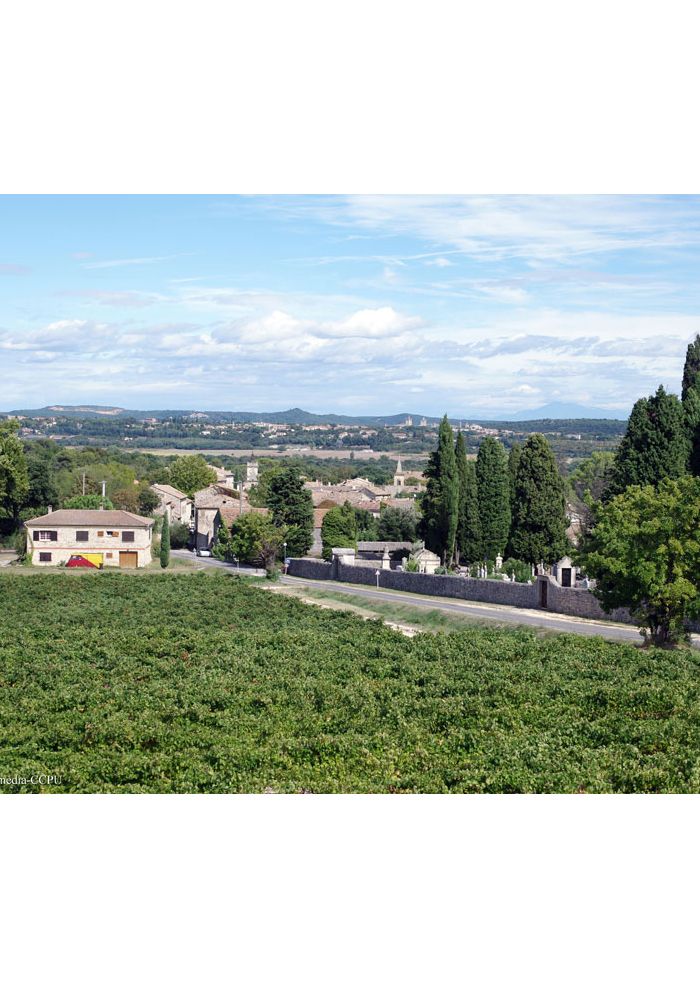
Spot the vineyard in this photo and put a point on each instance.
(201, 683)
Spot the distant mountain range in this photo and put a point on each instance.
(553, 411)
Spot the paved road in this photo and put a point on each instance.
(498, 614)
(491, 612)
(210, 561)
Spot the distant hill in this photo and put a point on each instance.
(554, 411)
(564, 410)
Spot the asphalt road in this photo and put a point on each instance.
(210, 561)
(499, 614)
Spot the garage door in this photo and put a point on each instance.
(128, 560)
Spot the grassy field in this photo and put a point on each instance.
(204, 683)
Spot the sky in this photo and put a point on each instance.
(478, 306)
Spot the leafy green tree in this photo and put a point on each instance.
(148, 500)
(292, 507)
(222, 548)
(165, 542)
(191, 473)
(88, 501)
(589, 481)
(397, 524)
(366, 525)
(179, 536)
(468, 537)
(655, 445)
(42, 488)
(127, 499)
(538, 530)
(338, 528)
(14, 478)
(493, 493)
(255, 537)
(644, 553)
(440, 503)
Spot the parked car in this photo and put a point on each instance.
(203, 552)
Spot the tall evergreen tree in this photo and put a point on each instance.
(513, 461)
(468, 540)
(655, 445)
(690, 396)
(440, 503)
(691, 368)
(291, 507)
(165, 542)
(493, 493)
(538, 531)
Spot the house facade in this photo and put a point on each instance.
(99, 537)
(176, 504)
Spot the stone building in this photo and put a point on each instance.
(90, 537)
(176, 504)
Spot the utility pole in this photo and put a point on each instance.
(83, 482)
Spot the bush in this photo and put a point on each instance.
(179, 535)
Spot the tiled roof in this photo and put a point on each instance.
(91, 517)
(168, 489)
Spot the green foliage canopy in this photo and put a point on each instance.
(493, 492)
(539, 521)
(644, 551)
(191, 473)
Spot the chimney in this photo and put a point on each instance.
(50, 509)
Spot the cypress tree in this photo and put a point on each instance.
(468, 540)
(440, 503)
(538, 530)
(691, 403)
(165, 542)
(655, 445)
(493, 493)
(292, 508)
(513, 461)
(691, 368)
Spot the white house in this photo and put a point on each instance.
(100, 537)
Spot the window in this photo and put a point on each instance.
(127, 537)
(101, 533)
(46, 535)
(108, 555)
(81, 536)
(110, 532)
(44, 558)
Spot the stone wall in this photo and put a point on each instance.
(578, 602)
(311, 569)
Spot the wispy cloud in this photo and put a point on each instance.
(14, 269)
(123, 262)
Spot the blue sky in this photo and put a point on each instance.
(474, 305)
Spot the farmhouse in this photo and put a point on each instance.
(99, 537)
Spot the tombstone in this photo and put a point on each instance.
(499, 562)
(386, 561)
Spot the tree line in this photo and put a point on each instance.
(500, 504)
